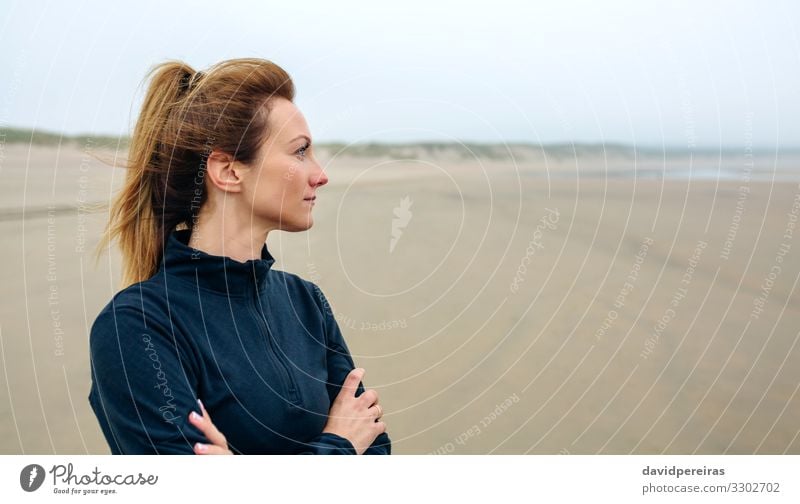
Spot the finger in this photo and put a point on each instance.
(350, 384)
(376, 411)
(210, 449)
(207, 427)
(370, 397)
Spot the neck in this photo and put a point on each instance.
(225, 233)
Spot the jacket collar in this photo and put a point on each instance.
(217, 273)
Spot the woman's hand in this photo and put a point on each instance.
(356, 418)
(219, 444)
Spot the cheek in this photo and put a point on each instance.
(293, 182)
(296, 177)
(279, 189)
(292, 170)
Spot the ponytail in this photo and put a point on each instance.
(185, 115)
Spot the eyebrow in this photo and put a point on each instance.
(299, 137)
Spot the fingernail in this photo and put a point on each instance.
(195, 416)
(200, 403)
(201, 447)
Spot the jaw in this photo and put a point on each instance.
(297, 221)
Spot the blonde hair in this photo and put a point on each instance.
(186, 115)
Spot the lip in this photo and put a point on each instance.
(310, 199)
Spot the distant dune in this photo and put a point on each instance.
(448, 150)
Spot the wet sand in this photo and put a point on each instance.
(552, 306)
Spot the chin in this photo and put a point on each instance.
(299, 225)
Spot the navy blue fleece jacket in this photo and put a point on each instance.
(260, 347)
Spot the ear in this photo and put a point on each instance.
(224, 172)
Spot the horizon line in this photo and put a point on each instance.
(46, 136)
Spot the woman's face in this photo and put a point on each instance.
(286, 175)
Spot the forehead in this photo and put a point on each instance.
(286, 120)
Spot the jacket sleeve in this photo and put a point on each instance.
(340, 363)
(143, 384)
(328, 443)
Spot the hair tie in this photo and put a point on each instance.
(197, 76)
(188, 81)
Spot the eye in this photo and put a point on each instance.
(302, 150)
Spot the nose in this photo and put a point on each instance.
(319, 178)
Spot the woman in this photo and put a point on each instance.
(205, 327)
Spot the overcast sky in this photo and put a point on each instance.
(676, 73)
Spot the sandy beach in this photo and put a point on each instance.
(577, 304)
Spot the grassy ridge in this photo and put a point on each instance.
(463, 150)
(39, 137)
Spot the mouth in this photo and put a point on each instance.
(311, 199)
